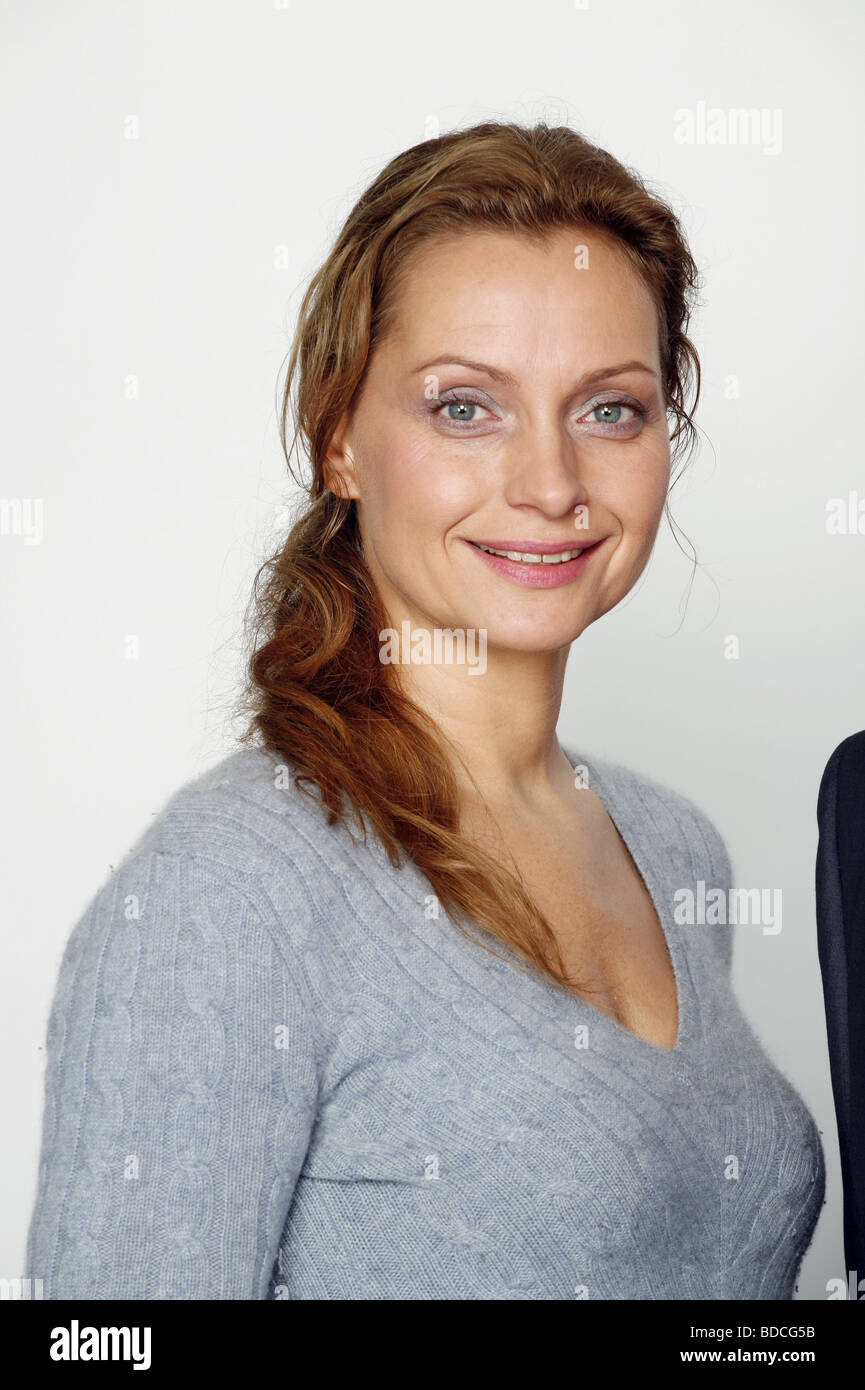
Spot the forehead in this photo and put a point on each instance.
(490, 291)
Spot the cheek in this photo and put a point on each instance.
(639, 496)
(412, 487)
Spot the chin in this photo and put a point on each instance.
(532, 639)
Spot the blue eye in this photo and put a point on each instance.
(609, 413)
(457, 411)
(460, 407)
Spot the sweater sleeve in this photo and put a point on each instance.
(180, 1093)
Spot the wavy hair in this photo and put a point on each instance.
(317, 694)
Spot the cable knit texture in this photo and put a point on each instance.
(277, 1069)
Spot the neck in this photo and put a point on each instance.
(499, 725)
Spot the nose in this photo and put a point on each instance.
(543, 471)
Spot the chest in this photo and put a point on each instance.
(467, 1148)
(583, 878)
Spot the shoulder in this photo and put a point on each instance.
(233, 814)
(843, 778)
(242, 837)
(679, 825)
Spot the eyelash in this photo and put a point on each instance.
(462, 427)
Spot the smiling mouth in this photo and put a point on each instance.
(530, 557)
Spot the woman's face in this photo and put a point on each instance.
(516, 403)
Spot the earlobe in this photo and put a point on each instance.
(339, 471)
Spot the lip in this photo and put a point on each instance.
(532, 547)
(539, 576)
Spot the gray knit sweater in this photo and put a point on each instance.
(275, 1069)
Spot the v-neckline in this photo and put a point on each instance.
(478, 966)
(642, 863)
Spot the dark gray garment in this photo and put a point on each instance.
(840, 882)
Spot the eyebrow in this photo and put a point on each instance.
(506, 379)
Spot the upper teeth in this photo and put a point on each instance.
(532, 559)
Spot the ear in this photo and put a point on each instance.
(339, 466)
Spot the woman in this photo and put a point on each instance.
(393, 1003)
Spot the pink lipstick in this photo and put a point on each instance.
(536, 564)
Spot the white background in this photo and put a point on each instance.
(179, 257)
